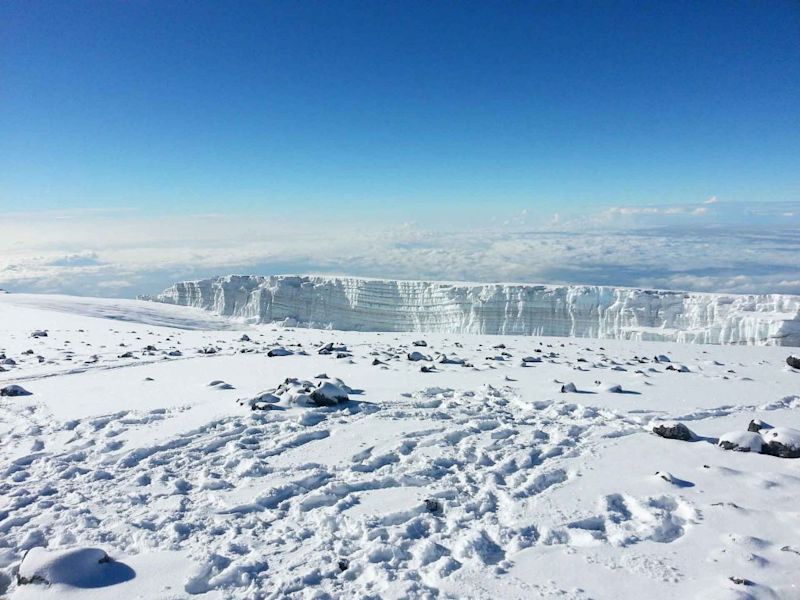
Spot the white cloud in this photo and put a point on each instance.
(633, 246)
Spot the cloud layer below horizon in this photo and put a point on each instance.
(711, 246)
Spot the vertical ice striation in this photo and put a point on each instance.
(514, 309)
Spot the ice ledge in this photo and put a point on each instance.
(515, 309)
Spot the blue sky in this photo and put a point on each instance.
(351, 105)
(529, 115)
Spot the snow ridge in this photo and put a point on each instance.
(349, 303)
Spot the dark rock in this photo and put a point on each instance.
(674, 431)
(793, 361)
(757, 425)
(433, 505)
(780, 450)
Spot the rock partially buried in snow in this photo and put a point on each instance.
(613, 388)
(220, 385)
(757, 425)
(417, 356)
(14, 390)
(300, 392)
(328, 394)
(782, 442)
(279, 351)
(793, 361)
(568, 388)
(674, 431)
(75, 567)
(262, 401)
(741, 441)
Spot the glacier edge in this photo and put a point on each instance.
(360, 304)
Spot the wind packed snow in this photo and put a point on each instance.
(164, 452)
(573, 311)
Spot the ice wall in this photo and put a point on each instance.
(577, 311)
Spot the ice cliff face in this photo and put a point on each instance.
(577, 311)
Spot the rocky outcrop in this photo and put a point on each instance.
(576, 311)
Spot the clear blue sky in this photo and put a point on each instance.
(255, 106)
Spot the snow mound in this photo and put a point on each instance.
(74, 567)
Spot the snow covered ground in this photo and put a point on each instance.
(470, 477)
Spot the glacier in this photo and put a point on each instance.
(361, 304)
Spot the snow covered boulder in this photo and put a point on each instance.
(793, 361)
(328, 394)
(741, 441)
(417, 356)
(14, 390)
(74, 567)
(39, 333)
(782, 442)
(568, 388)
(301, 392)
(674, 431)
